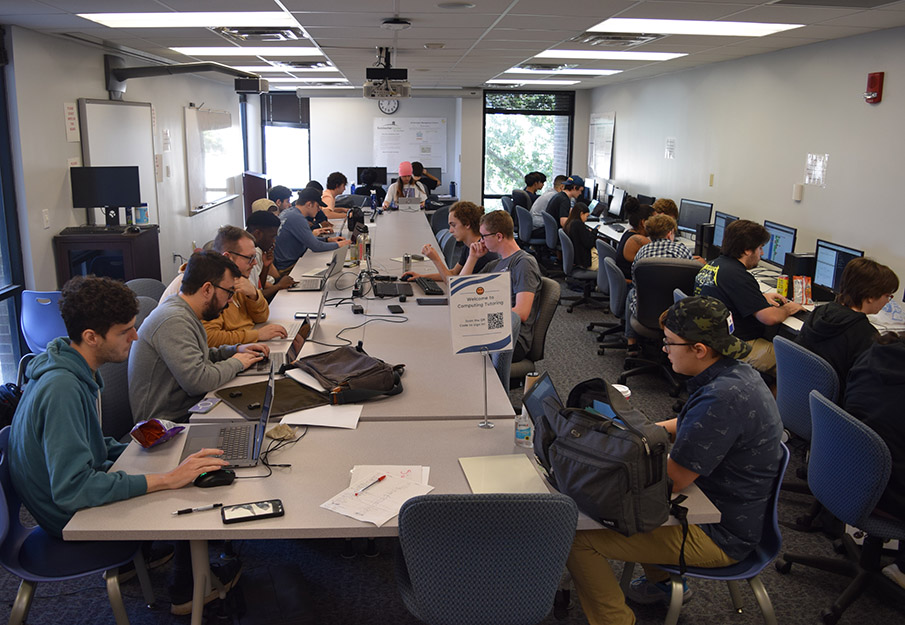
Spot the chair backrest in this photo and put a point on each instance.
(442, 236)
(487, 558)
(568, 252)
(798, 372)
(551, 227)
(521, 198)
(617, 286)
(849, 465)
(604, 250)
(549, 300)
(21, 378)
(449, 251)
(145, 306)
(41, 321)
(771, 536)
(149, 287)
(11, 531)
(508, 205)
(524, 223)
(440, 219)
(678, 295)
(655, 280)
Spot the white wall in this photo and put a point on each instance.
(752, 122)
(45, 73)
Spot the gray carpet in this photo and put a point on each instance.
(308, 582)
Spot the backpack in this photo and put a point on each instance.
(351, 375)
(10, 394)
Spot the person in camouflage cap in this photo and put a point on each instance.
(705, 320)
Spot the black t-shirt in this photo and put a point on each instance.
(366, 190)
(729, 281)
(428, 183)
(583, 241)
(559, 206)
(479, 264)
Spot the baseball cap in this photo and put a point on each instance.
(309, 194)
(706, 320)
(264, 204)
(574, 181)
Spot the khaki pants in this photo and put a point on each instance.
(762, 356)
(598, 589)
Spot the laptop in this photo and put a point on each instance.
(318, 283)
(241, 442)
(534, 398)
(278, 360)
(411, 203)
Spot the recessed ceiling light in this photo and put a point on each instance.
(573, 72)
(306, 79)
(191, 19)
(608, 55)
(268, 51)
(434, 46)
(455, 6)
(518, 81)
(396, 23)
(690, 27)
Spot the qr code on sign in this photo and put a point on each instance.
(494, 321)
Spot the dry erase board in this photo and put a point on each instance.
(213, 157)
(120, 133)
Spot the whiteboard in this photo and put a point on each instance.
(121, 134)
(410, 139)
(213, 157)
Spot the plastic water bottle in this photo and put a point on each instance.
(373, 201)
(452, 188)
(524, 429)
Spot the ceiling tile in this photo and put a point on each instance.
(681, 10)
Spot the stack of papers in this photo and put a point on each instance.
(376, 493)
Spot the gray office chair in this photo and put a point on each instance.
(618, 293)
(525, 227)
(509, 207)
(605, 250)
(440, 219)
(485, 558)
(149, 287)
(549, 300)
(521, 198)
(551, 230)
(449, 251)
(586, 278)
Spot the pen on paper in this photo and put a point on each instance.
(199, 509)
(361, 490)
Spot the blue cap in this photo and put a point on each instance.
(574, 181)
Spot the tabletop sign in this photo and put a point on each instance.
(480, 312)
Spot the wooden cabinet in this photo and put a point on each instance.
(119, 255)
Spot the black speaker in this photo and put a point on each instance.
(111, 213)
(799, 264)
(703, 240)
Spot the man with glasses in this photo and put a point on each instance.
(727, 441)
(171, 366)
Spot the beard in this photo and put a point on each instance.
(211, 311)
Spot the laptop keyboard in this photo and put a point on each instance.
(234, 442)
(308, 283)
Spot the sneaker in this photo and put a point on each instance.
(181, 595)
(633, 350)
(894, 573)
(158, 555)
(644, 592)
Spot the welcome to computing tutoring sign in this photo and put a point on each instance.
(480, 313)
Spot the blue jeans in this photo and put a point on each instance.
(502, 361)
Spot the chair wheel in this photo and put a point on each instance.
(600, 351)
(783, 566)
(829, 617)
(590, 327)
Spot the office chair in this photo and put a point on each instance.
(549, 300)
(149, 287)
(655, 280)
(525, 227)
(586, 278)
(41, 321)
(848, 471)
(449, 251)
(35, 556)
(441, 237)
(521, 198)
(798, 372)
(440, 219)
(604, 250)
(551, 228)
(748, 569)
(485, 558)
(678, 295)
(618, 292)
(509, 207)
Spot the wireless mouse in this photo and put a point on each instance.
(221, 477)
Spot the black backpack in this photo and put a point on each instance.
(9, 399)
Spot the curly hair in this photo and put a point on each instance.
(469, 214)
(658, 226)
(336, 179)
(92, 303)
(666, 206)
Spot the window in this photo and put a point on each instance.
(523, 132)
(287, 149)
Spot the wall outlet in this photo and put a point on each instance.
(45, 216)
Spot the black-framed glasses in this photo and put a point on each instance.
(489, 234)
(667, 344)
(231, 292)
(250, 259)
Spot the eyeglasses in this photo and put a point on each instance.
(231, 292)
(251, 259)
(667, 344)
(489, 234)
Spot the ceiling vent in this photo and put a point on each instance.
(548, 67)
(269, 35)
(616, 40)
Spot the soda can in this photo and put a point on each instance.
(406, 262)
(782, 285)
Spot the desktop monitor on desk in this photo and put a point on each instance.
(720, 221)
(830, 260)
(380, 175)
(435, 172)
(614, 211)
(782, 242)
(692, 213)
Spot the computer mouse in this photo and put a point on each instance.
(401, 298)
(220, 477)
(407, 278)
(133, 229)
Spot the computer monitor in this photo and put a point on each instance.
(435, 172)
(693, 213)
(380, 175)
(615, 208)
(782, 241)
(830, 261)
(97, 187)
(646, 199)
(590, 190)
(720, 221)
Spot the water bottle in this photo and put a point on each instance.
(352, 192)
(364, 246)
(524, 429)
(373, 202)
(452, 188)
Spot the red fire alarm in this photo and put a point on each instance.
(874, 91)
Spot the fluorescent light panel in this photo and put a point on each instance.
(304, 79)
(573, 72)
(306, 87)
(247, 19)
(690, 27)
(271, 52)
(521, 81)
(260, 69)
(608, 55)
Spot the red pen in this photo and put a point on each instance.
(361, 490)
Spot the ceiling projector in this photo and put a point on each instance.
(387, 89)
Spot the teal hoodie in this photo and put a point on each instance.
(58, 454)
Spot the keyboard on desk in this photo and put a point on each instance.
(428, 286)
(618, 227)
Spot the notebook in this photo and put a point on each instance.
(241, 442)
(318, 283)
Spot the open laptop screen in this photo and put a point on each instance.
(534, 398)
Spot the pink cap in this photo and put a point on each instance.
(405, 168)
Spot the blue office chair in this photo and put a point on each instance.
(521, 198)
(551, 229)
(798, 372)
(525, 227)
(604, 250)
(41, 321)
(848, 471)
(149, 287)
(509, 207)
(618, 292)
(477, 559)
(586, 278)
(35, 556)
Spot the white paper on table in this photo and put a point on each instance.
(417, 473)
(502, 474)
(343, 416)
(305, 378)
(379, 503)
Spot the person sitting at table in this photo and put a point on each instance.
(840, 331)
(319, 220)
(733, 460)
(424, 177)
(281, 196)
(540, 206)
(171, 366)
(666, 206)
(561, 204)
(496, 232)
(295, 236)
(236, 324)
(263, 227)
(584, 240)
(727, 278)
(405, 186)
(336, 185)
(265, 204)
(370, 183)
(59, 458)
(634, 237)
(534, 182)
(464, 225)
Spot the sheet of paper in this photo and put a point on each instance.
(502, 474)
(305, 378)
(418, 473)
(344, 416)
(379, 503)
